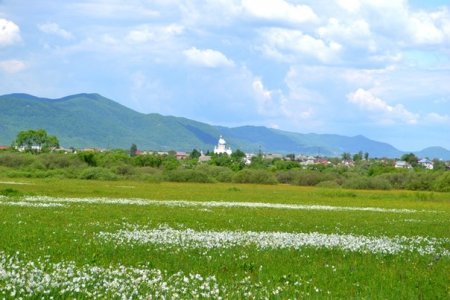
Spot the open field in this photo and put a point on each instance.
(106, 239)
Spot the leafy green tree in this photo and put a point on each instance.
(35, 140)
(410, 158)
(89, 158)
(366, 156)
(238, 154)
(439, 165)
(170, 163)
(346, 156)
(290, 156)
(285, 164)
(195, 154)
(133, 150)
(358, 156)
(149, 160)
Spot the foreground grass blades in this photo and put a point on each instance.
(156, 241)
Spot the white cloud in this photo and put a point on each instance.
(293, 109)
(293, 45)
(396, 20)
(12, 66)
(55, 29)
(424, 27)
(150, 33)
(114, 9)
(280, 10)
(207, 58)
(389, 114)
(351, 6)
(437, 118)
(9, 33)
(351, 32)
(263, 98)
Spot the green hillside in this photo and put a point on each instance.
(90, 120)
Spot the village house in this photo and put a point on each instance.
(248, 158)
(273, 156)
(401, 164)
(203, 158)
(322, 161)
(308, 161)
(426, 163)
(181, 155)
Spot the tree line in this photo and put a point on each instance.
(126, 164)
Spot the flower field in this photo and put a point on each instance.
(64, 239)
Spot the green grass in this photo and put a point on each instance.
(69, 234)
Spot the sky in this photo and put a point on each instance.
(379, 68)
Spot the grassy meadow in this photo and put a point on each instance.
(63, 238)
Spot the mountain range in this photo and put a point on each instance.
(90, 120)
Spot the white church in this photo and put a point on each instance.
(222, 147)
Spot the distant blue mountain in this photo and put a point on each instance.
(434, 152)
(90, 120)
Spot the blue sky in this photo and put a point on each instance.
(380, 68)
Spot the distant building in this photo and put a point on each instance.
(36, 148)
(400, 164)
(181, 155)
(426, 163)
(203, 158)
(273, 156)
(222, 147)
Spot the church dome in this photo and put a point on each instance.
(222, 141)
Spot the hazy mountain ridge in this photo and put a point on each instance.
(90, 120)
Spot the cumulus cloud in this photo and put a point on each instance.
(114, 9)
(9, 33)
(349, 32)
(437, 118)
(55, 29)
(292, 45)
(207, 58)
(280, 10)
(351, 6)
(426, 28)
(289, 109)
(149, 33)
(12, 66)
(367, 101)
(397, 20)
(263, 96)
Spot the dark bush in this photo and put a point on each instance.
(442, 183)
(397, 180)
(9, 192)
(89, 158)
(124, 170)
(97, 173)
(112, 158)
(422, 181)
(151, 160)
(255, 176)
(221, 174)
(367, 183)
(310, 178)
(186, 175)
(59, 161)
(328, 184)
(287, 177)
(16, 160)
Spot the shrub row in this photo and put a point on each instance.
(118, 165)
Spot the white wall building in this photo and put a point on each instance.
(222, 147)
